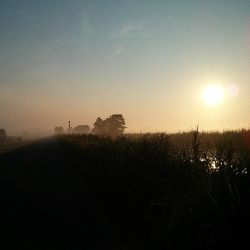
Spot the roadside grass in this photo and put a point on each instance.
(159, 190)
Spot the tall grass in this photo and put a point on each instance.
(156, 191)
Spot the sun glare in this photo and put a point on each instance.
(213, 95)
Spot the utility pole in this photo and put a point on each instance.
(69, 127)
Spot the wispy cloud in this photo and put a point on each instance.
(118, 49)
(126, 31)
(86, 31)
(86, 27)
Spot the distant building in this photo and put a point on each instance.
(81, 129)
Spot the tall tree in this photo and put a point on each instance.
(112, 126)
(99, 127)
(115, 125)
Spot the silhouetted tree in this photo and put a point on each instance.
(115, 125)
(82, 129)
(3, 135)
(59, 130)
(99, 127)
(112, 126)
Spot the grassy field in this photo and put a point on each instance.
(143, 191)
(6, 147)
(181, 190)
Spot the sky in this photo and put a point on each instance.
(149, 60)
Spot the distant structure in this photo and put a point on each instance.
(3, 135)
(69, 128)
(81, 129)
(59, 130)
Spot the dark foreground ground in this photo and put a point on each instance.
(41, 205)
(85, 192)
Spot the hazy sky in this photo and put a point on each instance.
(76, 60)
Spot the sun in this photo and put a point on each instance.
(213, 95)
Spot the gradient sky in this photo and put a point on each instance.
(76, 60)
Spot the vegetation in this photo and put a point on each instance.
(156, 190)
(141, 191)
(113, 126)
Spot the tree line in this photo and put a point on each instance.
(112, 126)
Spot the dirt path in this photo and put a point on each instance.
(41, 204)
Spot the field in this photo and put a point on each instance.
(6, 147)
(141, 191)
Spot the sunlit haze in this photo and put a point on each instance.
(213, 95)
(165, 65)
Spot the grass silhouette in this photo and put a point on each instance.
(142, 191)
